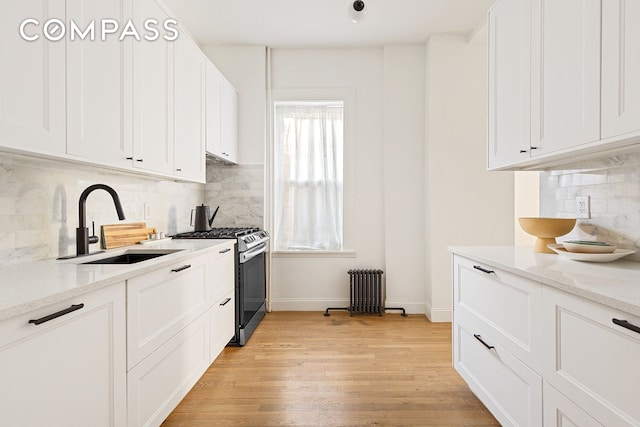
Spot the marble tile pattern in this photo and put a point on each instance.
(39, 205)
(614, 186)
(239, 191)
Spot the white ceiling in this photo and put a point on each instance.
(325, 23)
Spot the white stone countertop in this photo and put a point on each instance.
(33, 285)
(615, 284)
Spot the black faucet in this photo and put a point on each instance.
(82, 232)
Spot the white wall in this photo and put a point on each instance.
(527, 203)
(312, 282)
(404, 191)
(465, 204)
(245, 68)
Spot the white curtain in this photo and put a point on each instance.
(308, 178)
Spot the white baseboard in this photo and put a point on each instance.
(303, 304)
(438, 315)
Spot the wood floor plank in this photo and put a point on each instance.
(304, 369)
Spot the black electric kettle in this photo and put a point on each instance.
(200, 218)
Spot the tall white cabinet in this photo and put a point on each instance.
(221, 116)
(565, 75)
(32, 81)
(188, 109)
(509, 128)
(153, 96)
(620, 68)
(99, 91)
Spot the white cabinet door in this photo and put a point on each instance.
(68, 371)
(162, 302)
(620, 67)
(229, 122)
(153, 96)
(565, 108)
(562, 412)
(213, 109)
(222, 321)
(506, 386)
(188, 110)
(506, 303)
(591, 359)
(32, 80)
(158, 383)
(509, 82)
(99, 86)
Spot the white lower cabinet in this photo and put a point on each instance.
(67, 371)
(158, 383)
(590, 359)
(562, 412)
(507, 387)
(511, 335)
(222, 318)
(161, 303)
(179, 319)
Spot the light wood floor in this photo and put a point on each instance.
(305, 369)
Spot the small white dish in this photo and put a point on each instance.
(589, 248)
(578, 256)
(152, 241)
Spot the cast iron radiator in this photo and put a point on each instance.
(366, 293)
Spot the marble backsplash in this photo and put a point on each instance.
(613, 183)
(39, 205)
(239, 191)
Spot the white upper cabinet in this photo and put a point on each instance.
(509, 82)
(153, 96)
(229, 122)
(32, 80)
(221, 116)
(188, 110)
(99, 91)
(565, 74)
(213, 109)
(620, 68)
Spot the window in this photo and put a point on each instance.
(308, 176)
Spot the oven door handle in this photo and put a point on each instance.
(246, 256)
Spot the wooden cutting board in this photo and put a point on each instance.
(118, 235)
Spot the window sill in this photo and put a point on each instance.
(314, 254)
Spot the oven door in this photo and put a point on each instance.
(252, 289)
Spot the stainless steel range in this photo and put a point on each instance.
(250, 274)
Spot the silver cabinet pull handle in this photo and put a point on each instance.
(225, 301)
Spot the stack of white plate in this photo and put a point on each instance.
(589, 250)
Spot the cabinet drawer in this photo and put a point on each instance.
(562, 412)
(161, 303)
(222, 317)
(159, 382)
(508, 388)
(222, 268)
(504, 303)
(591, 360)
(68, 371)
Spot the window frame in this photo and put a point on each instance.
(347, 96)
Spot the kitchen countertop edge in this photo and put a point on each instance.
(113, 274)
(556, 272)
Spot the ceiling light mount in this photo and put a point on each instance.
(357, 10)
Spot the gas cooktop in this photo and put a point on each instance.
(248, 237)
(218, 233)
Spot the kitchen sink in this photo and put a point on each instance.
(132, 257)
